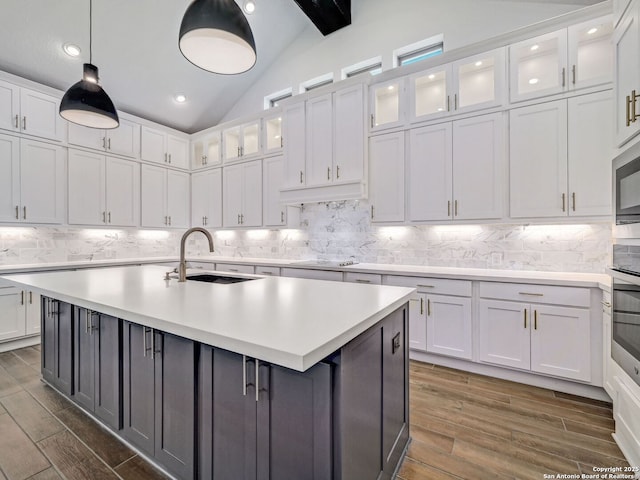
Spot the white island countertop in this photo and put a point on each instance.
(290, 322)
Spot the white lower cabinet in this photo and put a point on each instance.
(19, 313)
(103, 190)
(544, 338)
(165, 197)
(242, 195)
(206, 198)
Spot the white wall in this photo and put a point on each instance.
(380, 26)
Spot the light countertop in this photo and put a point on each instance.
(290, 322)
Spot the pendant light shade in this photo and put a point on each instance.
(86, 103)
(216, 36)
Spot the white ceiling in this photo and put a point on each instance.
(135, 46)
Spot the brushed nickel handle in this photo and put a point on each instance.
(153, 344)
(266, 273)
(337, 171)
(110, 218)
(564, 203)
(109, 147)
(448, 208)
(573, 201)
(169, 158)
(531, 294)
(233, 269)
(17, 212)
(421, 306)
(455, 208)
(257, 380)
(238, 219)
(281, 216)
(448, 109)
(535, 319)
(104, 143)
(244, 375)
(169, 220)
(86, 321)
(328, 173)
(238, 151)
(281, 141)
(242, 218)
(22, 297)
(362, 280)
(372, 212)
(165, 220)
(564, 74)
(628, 104)
(17, 121)
(525, 318)
(633, 117)
(30, 298)
(573, 74)
(144, 341)
(24, 123)
(104, 217)
(165, 158)
(606, 304)
(425, 286)
(372, 120)
(455, 101)
(428, 307)
(300, 176)
(24, 213)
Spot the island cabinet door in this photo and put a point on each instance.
(175, 408)
(107, 337)
(294, 423)
(138, 387)
(84, 366)
(57, 344)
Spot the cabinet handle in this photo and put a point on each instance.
(421, 306)
(425, 286)
(628, 105)
(455, 101)
(244, 375)
(525, 318)
(242, 218)
(169, 158)
(573, 74)
(573, 201)
(104, 143)
(281, 216)
(531, 294)
(238, 151)
(362, 280)
(300, 176)
(266, 273)
(86, 321)
(165, 220)
(169, 220)
(448, 98)
(144, 341)
(109, 217)
(233, 270)
(372, 212)
(281, 141)
(24, 213)
(17, 121)
(238, 222)
(104, 217)
(372, 120)
(428, 307)
(17, 212)
(448, 208)
(633, 117)
(24, 123)
(535, 319)
(328, 173)
(564, 75)
(606, 304)
(22, 297)
(109, 145)
(563, 202)
(337, 171)
(455, 208)
(165, 158)
(257, 380)
(30, 298)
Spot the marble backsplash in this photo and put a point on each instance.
(334, 231)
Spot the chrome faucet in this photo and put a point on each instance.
(182, 268)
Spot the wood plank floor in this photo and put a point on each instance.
(463, 425)
(468, 426)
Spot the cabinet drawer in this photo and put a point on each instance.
(461, 288)
(626, 413)
(234, 268)
(312, 274)
(371, 278)
(7, 290)
(202, 265)
(269, 271)
(524, 292)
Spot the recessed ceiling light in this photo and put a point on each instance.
(592, 31)
(71, 49)
(249, 6)
(478, 63)
(534, 47)
(180, 98)
(533, 81)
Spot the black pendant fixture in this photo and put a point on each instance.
(216, 36)
(86, 103)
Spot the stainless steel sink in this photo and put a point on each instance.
(222, 279)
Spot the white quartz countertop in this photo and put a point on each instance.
(290, 322)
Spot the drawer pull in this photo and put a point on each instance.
(426, 286)
(606, 304)
(421, 306)
(362, 280)
(525, 318)
(535, 319)
(266, 273)
(428, 307)
(531, 294)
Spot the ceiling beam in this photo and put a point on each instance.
(327, 15)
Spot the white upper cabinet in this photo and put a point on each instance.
(103, 190)
(273, 140)
(455, 170)
(387, 104)
(241, 142)
(386, 177)
(206, 150)
(164, 197)
(349, 134)
(30, 112)
(319, 154)
(160, 147)
(568, 59)
(124, 140)
(242, 195)
(474, 83)
(9, 178)
(274, 213)
(560, 157)
(294, 149)
(206, 198)
(627, 75)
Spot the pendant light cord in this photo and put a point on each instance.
(90, 29)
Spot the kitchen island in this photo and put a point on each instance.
(265, 378)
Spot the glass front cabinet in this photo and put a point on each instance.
(242, 141)
(387, 104)
(205, 151)
(272, 134)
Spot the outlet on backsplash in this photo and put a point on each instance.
(496, 259)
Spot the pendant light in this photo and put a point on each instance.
(216, 36)
(86, 103)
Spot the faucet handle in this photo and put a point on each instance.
(167, 275)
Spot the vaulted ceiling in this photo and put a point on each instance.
(135, 46)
